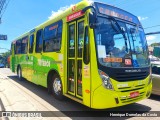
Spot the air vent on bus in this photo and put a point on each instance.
(123, 76)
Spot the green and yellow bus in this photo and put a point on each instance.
(93, 53)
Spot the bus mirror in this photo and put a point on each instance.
(92, 20)
(92, 16)
(88, 7)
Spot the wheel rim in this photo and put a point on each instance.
(19, 73)
(57, 86)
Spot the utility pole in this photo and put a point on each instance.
(3, 6)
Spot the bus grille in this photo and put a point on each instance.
(128, 99)
(131, 89)
(122, 76)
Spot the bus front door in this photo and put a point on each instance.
(77, 84)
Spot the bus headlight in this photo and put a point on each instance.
(106, 80)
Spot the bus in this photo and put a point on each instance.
(93, 53)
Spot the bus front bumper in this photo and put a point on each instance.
(104, 98)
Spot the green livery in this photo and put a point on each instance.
(93, 53)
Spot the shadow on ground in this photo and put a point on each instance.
(155, 97)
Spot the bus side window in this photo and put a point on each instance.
(18, 46)
(39, 41)
(52, 37)
(24, 45)
(31, 41)
(59, 35)
(86, 51)
(49, 38)
(80, 37)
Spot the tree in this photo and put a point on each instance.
(155, 44)
(4, 57)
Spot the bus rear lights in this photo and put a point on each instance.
(106, 80)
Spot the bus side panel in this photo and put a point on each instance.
(95, 77)
(42, 65)
(17, 61)
(23, 63)
(63, 57)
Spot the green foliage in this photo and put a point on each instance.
(155, 44)
(4, 57)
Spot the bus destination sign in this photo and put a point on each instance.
(116, 12)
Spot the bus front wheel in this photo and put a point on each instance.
(57, 88)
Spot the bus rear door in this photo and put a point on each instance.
(30, 56)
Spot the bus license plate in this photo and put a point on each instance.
(134, 94)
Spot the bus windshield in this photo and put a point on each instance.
(120, 44)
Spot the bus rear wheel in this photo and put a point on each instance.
(57, 88)
(19, 73)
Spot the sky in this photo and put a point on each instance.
(23, 15)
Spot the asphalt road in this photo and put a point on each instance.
(42, 101)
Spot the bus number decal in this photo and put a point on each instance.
(128, 62)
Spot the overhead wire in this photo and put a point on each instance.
(4, 7)
(1, 5)
(152, 26)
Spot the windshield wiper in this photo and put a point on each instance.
(119, 30)
(134, 33)
(132, 36)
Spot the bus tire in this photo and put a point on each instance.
(57, 88)
(19, 73)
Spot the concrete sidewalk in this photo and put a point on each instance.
(13, 97)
